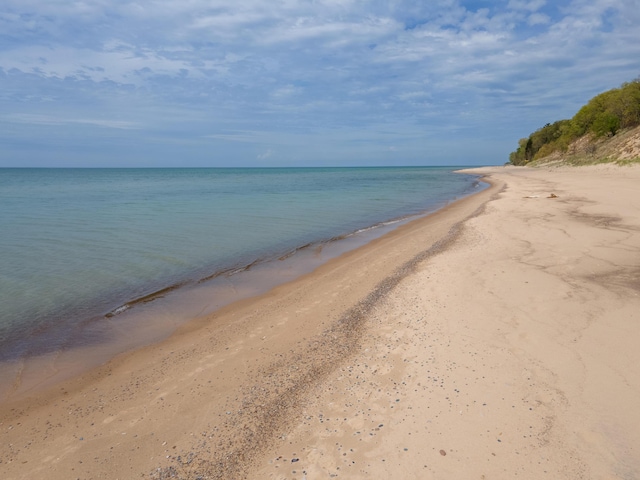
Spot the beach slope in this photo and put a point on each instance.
(513, 353)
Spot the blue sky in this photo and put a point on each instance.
(99, 83)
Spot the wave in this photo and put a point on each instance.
(144, 299)
(234, 270)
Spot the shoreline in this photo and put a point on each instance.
(496, 337)
(65, 281)
(134, 324)
(511, 354)
(236, 338)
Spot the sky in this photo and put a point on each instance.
(219, 83)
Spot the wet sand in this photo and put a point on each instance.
(144, 322)
(495, 338)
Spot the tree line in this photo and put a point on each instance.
(604, 115)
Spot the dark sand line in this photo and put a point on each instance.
(274, 402)
(215, 394)
(95, 333)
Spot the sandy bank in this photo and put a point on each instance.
(511, 354)
(494, 339)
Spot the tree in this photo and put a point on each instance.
(605, 123)
(604, 114)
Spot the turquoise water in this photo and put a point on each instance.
(77, 244)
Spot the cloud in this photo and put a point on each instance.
(219, 75)
(243, 137)
(538, 19)
(529, 5)
(35, 119)
(264, 155)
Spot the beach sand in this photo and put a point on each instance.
(496, 338)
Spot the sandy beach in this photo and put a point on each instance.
(496, 338)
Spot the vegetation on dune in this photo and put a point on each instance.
(604, 116)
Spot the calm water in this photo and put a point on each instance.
(76, 244)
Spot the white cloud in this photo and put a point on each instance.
(531, 5)
(286, 91)
(241, 68)
(264, 155)
(243, 137)
(37, 119)
(538, 19)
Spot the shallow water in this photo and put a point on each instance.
(80, 245)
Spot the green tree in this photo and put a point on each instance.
(604, 115)
(628, 104)
(605, 123)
